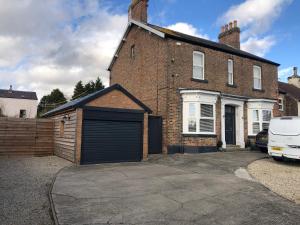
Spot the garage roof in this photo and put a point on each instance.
(80, 102)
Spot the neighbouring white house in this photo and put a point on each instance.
(18, 104)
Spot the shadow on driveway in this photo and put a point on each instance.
(178, 189)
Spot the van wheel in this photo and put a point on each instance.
(278, 159)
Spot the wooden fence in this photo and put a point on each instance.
(26, 136)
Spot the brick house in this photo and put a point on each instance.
(205, 91)
(289, 96)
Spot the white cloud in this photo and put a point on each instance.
(53, 44)
(284, 73)
(255, 17)
(187, 29)
(259, 46)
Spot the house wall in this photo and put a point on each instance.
(11, 107)
(163, 67)
(290, 106)
(144, 76)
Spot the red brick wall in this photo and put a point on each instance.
(161, 67)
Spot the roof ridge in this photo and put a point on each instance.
(217, 44)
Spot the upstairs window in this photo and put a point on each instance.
(198, 65)
(280, 103)
(132, 52)
(22, 113)
(257, 77)
(230, 71)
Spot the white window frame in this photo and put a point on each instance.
(281, 105)
(260, 119)
(257, 77)
(207, 118)
(230, 72)
(199, 66)
(186, 117)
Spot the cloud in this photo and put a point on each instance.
(284, 73)
(53, 44)
(255, 17)
(187, 29)
(259, 46)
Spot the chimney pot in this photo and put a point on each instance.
(231, 35)
(235, 23)
(295, 71)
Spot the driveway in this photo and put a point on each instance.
(24, 189)
(178, 189)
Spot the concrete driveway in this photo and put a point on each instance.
(179, 189)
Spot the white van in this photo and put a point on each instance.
(284, 138)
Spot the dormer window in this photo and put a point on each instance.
(198, 65)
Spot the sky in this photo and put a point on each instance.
(55, 43)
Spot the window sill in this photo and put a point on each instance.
(200, 135)
(258, 90)
(231, 85)
(200, 81)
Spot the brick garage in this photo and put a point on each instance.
(110, 125)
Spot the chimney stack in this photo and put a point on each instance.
(231, 35)
(295, 71)
(295, 78)
(138, 10)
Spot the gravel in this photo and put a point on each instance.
(24, 186)
(282, 178)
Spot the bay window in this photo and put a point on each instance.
(260, 120)
(199, 118)
(198, 65)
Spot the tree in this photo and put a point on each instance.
(51, 101)
(89, 87)
(79, 90)
(98, 84)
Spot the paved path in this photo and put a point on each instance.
(24, 187)
(179, 189)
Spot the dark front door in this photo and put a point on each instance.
(155, 135)
(230, 125)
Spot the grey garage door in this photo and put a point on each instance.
(111, 136)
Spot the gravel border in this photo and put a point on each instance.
(24, 188)
(283, 178)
